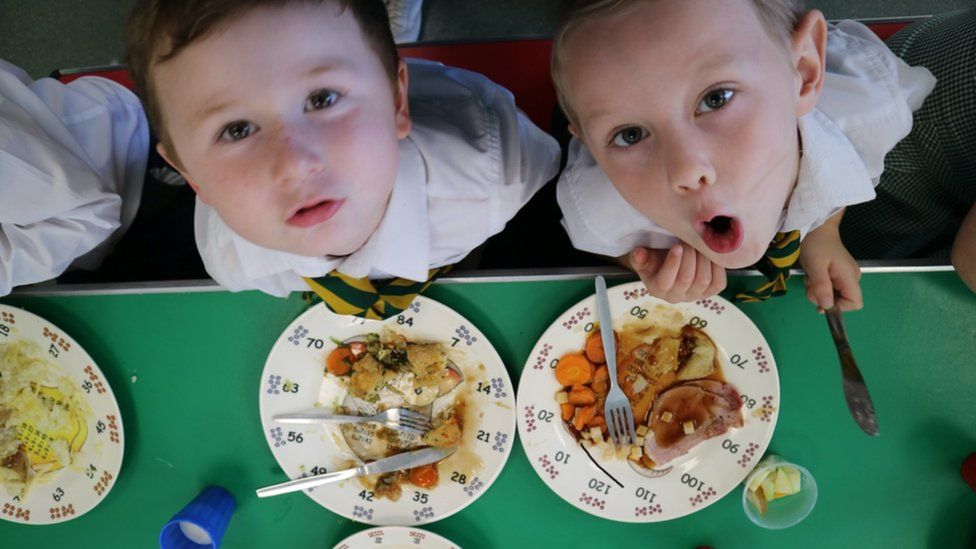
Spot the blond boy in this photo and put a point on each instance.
(705, 129)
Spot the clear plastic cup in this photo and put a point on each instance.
(786, 511)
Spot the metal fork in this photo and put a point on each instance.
(616, 409)
(398, 419)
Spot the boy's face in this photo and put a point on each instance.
(285, 122)
(691, 110)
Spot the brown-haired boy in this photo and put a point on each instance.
(318, 155)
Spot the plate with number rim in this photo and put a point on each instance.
(293, 381)
(80, 486)
(612, 488)
(395, 537)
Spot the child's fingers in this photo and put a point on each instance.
(820, 289)
(662, 281)
(685, 276)
(849, 296)
(718, 280)
(703, 276)
(647, 260)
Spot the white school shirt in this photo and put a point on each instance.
(865, 108)
(72, 163)
(471, 161)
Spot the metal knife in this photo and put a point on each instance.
(406, 460)
(855, 391)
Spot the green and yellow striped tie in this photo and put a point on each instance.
(362, 297)
(781, 255)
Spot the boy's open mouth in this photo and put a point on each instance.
(316, 213)
(721, 233)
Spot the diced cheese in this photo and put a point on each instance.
(689, 427)
(562, 397)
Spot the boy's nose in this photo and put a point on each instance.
(688, 167)
(297, 156)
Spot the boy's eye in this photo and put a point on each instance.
(628, 137)
(321, 99)
(715, 100)
(235, 131)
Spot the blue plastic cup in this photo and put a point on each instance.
(202, 523)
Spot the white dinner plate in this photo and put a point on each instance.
(611, 488)
(76, 488)
(293, 381)
(395, 537)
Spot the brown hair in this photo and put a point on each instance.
(158, 30)
(778, 17)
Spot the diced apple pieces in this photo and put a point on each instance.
(772, 484)
(757, 500)
(794, 475)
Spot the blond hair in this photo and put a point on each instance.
(778, 17)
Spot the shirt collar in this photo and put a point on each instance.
(400, 245)
(831, 175)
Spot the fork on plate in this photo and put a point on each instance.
(616, 409)
(398, 419)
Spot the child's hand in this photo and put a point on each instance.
(832, 274)
(679, 274)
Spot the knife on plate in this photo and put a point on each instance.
(406, 460)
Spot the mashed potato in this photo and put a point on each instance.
(43, 417)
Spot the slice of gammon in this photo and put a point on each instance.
(688, 413)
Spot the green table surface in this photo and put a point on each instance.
(185, 368)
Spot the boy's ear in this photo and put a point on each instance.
(401, 101)
(808, 47)
(573, 131)
(172, 160)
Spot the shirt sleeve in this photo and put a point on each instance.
(528, 156)
(595, 216)
(69, 157)
(870, 93)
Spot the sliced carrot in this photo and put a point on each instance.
(594, 348)
(339, 361)
(601, 380)
(424, 476)
(573, 369)
(583, 415)
(581, 395)
(568, 410)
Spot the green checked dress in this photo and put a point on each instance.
(929, 182)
